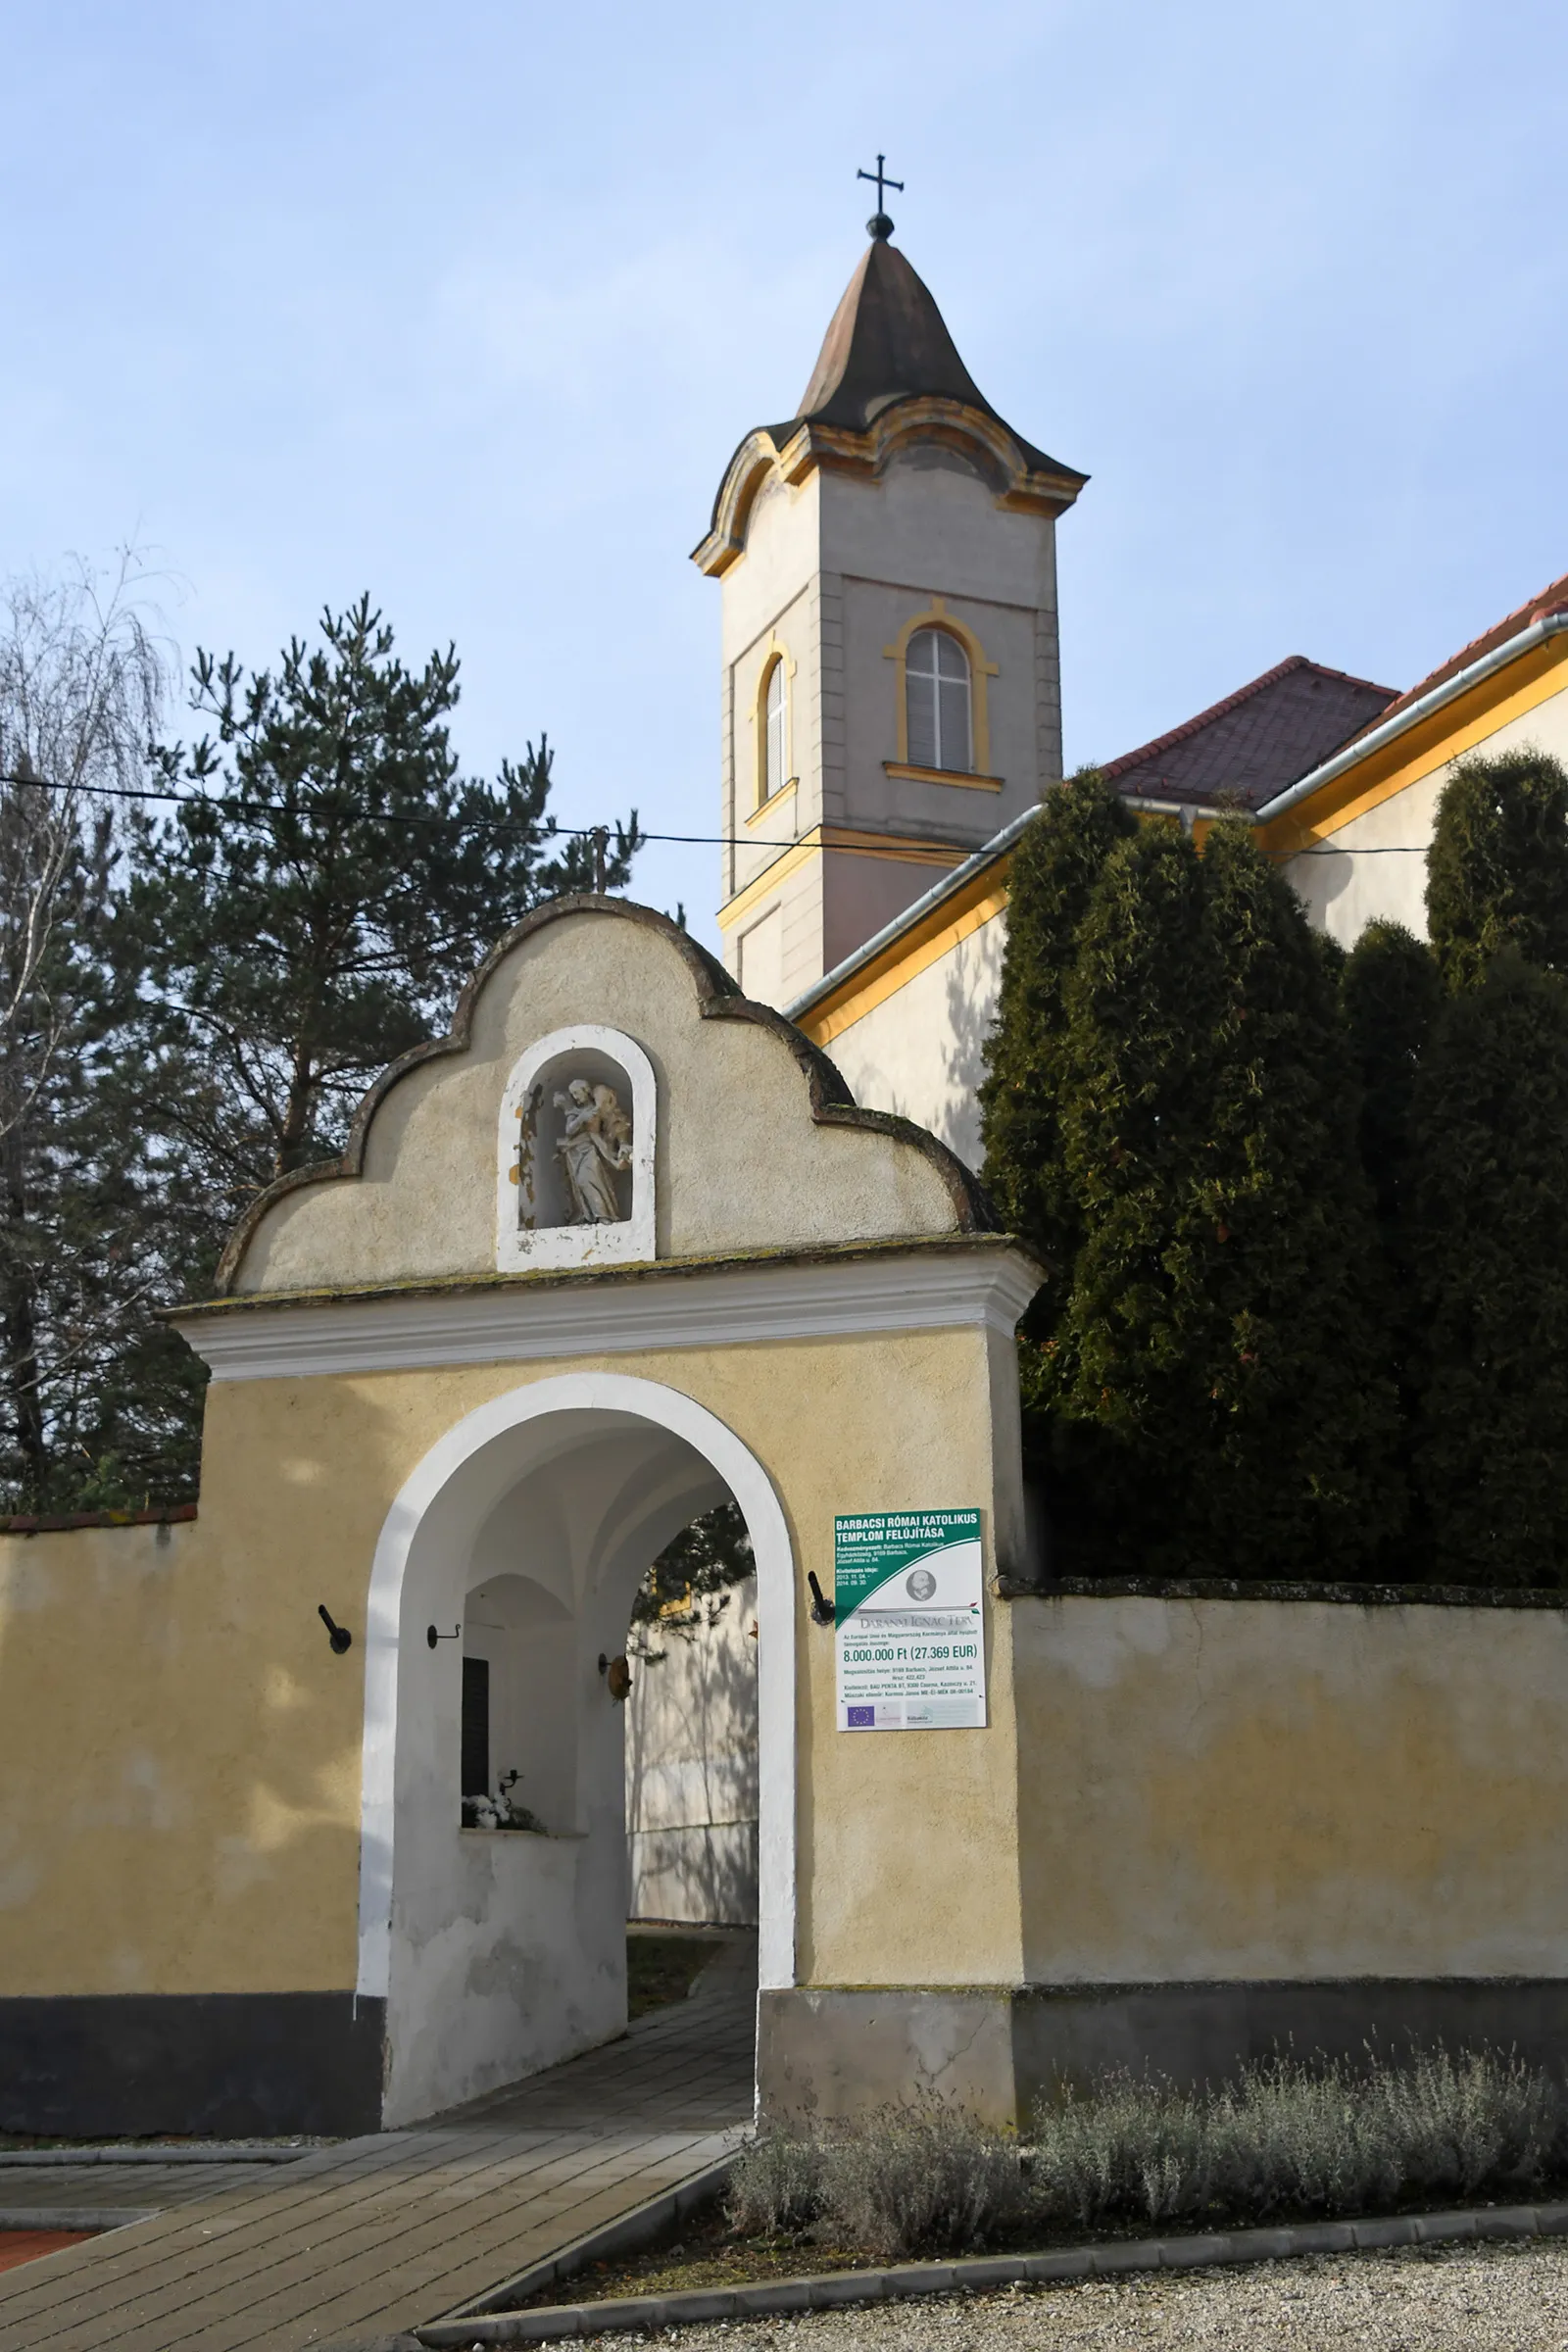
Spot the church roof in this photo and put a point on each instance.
(886, 342)
(888, 370)
(1257, 740)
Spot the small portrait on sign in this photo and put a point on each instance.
(922, 1585)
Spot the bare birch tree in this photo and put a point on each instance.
(82, 685)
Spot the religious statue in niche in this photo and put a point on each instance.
(594, 1151)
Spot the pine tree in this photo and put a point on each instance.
(1491, 1267)
(318, 897)
(1497, 866)
(1139, 1006)
(1217, 1380)
(1055, 865)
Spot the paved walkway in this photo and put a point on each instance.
(354, 2244)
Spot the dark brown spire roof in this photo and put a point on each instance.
(888, 342)
(887, 350)
(886, 338)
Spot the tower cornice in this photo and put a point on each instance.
(792, 452)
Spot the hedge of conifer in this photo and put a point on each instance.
(1301, 1217)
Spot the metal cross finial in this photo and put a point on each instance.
(879, 225)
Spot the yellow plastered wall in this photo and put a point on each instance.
(180, 1754)
(180, 1747)
(1237, 1790)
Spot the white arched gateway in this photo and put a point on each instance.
(493, 1954)
(619, 1250)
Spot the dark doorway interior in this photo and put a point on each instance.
(476, 1726)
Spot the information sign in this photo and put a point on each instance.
(911, 1651)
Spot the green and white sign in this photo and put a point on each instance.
(906, 1592)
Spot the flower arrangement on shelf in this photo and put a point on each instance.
(502, 1811)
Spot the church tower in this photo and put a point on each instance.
(891, 677)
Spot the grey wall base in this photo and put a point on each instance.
(231, 2064)
(837, 2051)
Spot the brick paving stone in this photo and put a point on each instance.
(361, 2242)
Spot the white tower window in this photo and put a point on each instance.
(775, 749)
(936, 683)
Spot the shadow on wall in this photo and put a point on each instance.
(972, 1016)
(692, 1763)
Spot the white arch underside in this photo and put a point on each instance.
(584, 1393)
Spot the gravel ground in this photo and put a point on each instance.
(1476, 2299)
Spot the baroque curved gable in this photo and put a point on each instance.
(760, 1145)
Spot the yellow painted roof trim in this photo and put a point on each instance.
(983, 896)
(1506, 693)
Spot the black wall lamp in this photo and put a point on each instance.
(823, 1611)
(616, 1674)
(432, 1636)
(338, 1635)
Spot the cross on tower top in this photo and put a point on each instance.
(879, 225)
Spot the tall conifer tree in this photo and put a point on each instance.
(1392, 996)
(1217, 1379)
(1498, 867)
(1057, 863)
(1392, 1000)
(1491, 1129)
(1491, 1265)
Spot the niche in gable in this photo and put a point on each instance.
(575, 1179)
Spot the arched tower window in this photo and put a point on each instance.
(936, 683)
(774, 743)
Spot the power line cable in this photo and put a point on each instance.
(548, 828)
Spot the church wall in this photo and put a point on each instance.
(920, 1051)
(831, 573)
(1373, 867)
(863, 892)
(775, 599)
(875, 614)
(929, 523)
(800, 928)
(758, 829)
(781, 555)
(930, 527)
(1365, 873)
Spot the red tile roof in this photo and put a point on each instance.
(1258, 740)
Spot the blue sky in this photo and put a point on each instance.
(469, 307)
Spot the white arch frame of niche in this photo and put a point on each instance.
(667, 1408)
(632, 1239)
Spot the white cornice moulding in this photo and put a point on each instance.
(748, 1306)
